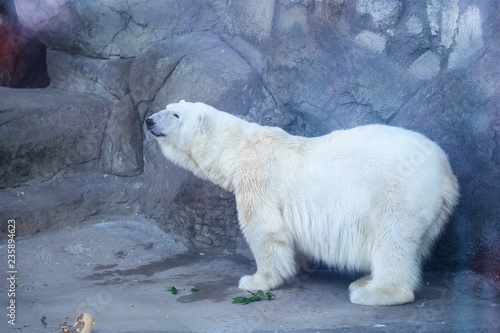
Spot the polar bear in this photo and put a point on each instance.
(372, 198)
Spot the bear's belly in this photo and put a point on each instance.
(339, 240)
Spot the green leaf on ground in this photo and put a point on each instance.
(253, 297)
(194, 290)
(240, 300)
(270, 295)
(172, 289)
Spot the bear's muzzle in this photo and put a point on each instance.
(151, 126)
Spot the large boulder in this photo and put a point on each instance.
(67, 202)
(107, 78)
(337, 86)
(459, 109)
(113, 28)
(50, 151)
(46, 133)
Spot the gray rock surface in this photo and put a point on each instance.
(117, 270)
(469, 124)
(46, 132)
(107, 78)
(114, 28)
(68, 202)
(121, 150)
(306, 66)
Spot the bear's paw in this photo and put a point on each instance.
(365, 292)
(254, 282)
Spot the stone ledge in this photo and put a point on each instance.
(60, 203)
(46, 131)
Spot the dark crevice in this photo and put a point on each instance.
(22, 56)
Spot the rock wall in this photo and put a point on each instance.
(309, 67)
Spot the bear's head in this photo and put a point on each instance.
(179, 125)
(181, 130)
(200, 138)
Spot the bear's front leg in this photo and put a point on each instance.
(274, 254)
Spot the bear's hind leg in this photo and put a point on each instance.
(372, 294)
(395, 275)
(275, 259)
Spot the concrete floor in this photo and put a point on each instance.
(117, 271)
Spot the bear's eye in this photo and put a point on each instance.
(176, 115)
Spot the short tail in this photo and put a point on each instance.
(451, 193)
(450, 196)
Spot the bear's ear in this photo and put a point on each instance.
(182, 101)
(204, 124)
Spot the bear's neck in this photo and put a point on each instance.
(233, 155)
(218, 159)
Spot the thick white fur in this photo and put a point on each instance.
(373, 198)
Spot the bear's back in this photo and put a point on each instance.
(367, 157)
(376, 145)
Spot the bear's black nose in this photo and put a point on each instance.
(149, 123)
